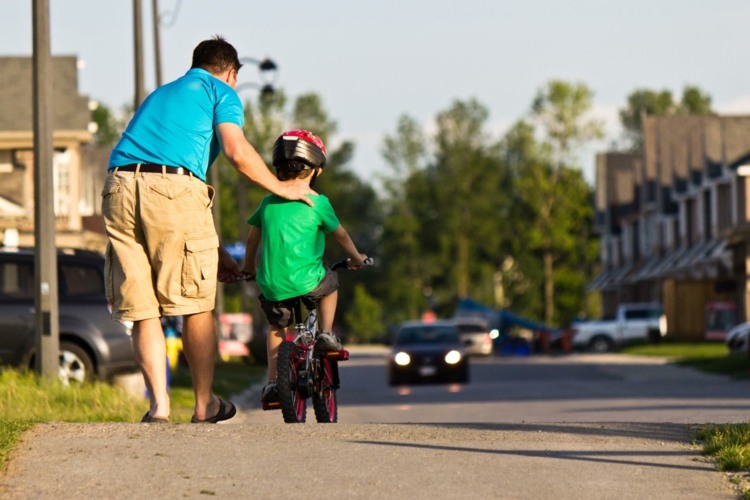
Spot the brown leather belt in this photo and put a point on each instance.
(152, 168)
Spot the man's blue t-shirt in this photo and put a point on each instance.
(175, 125)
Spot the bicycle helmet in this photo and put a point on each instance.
(299, 146)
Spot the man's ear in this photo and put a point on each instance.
(228, 76)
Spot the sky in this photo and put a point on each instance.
(372, 62)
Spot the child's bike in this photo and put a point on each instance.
(304, 372)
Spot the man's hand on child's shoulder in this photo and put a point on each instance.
(296, 190)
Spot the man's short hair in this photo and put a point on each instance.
(216, 56)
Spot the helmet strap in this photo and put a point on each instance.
(314, 176)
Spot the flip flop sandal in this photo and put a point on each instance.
(226, 411)
(148, 419)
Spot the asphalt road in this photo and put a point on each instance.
(523, 428)
(511, 390)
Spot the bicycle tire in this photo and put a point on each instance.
(324, 398)
(293, 405)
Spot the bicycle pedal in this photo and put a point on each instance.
(272, 406)
(340, 355)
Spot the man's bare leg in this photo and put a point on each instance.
(199, 345)
(150, 350)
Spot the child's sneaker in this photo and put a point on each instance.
(327, 342)
(269, 393)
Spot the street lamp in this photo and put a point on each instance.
(268, 72)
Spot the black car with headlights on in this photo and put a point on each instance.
(428, 351)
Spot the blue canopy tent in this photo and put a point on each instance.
(498, 318)
(502, 319)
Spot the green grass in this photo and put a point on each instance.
(710, 357)
(10, 433)
(727, 444)
(25, 399)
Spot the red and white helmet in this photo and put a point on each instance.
(299, 146)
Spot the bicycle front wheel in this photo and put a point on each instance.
(324, 397)
(293, 405)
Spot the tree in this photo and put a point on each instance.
(694, 102)
(108, 129)
(406, 272)
(364, 318)
(405, 152)
(443, 227)
(643, 102)
(467, 191)
(560, 108)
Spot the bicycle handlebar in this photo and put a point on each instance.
(345, 263)
(369, 261)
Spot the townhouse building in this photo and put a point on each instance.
(78, 167)
(674, 222)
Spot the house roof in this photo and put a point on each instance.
(679, 148)
(69, 109)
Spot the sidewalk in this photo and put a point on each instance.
(555, 460)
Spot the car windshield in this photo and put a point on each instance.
(427, 335)
(471, 328)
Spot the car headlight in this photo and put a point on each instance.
(402, 359)
(453, 357)
(663, 325)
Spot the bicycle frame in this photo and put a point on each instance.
(310, 373)
(304, 372)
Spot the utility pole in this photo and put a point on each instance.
(46, 314)
(157, 41)
(140, 92)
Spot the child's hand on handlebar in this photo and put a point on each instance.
(364, 260)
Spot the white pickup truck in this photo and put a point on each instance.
(636, 322)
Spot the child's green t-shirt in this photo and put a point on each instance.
(292, 244)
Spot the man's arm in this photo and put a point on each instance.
(228, 269)
(243, 157)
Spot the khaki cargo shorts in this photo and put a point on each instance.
(162, 258)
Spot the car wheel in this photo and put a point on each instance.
(76, 366)
(601, 344)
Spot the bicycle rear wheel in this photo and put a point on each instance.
(324, 397)
(293, 405)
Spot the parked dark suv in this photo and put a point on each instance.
(92, 345)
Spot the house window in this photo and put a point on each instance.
(6, 162)
(649, 234)
(707, 214)
(61, 181)
(724, 206)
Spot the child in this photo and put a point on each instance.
(292, 240)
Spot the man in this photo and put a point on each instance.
(164, 255)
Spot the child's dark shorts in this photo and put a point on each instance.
(281, 313)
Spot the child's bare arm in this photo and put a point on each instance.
(344, 240)
(251, 248)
